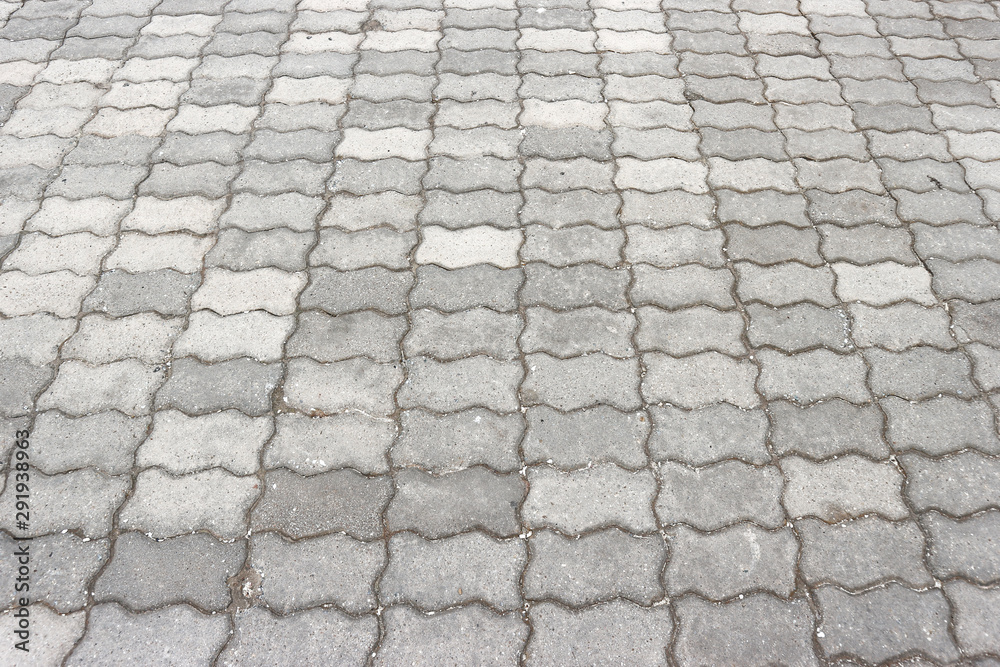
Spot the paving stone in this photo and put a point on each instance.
(338, 569)
(601, 496)
(563, 636)
(885, 622)
(918, 373)
(708, 435)
(119, 293)
(578, 332)
(812, 376)
(433, 575)
(53, 635)
(458, 440)
(59, 293)
(575, 439)
(596, 567)
(261, 638)
(699, 380)
(690, 330)
(212, 500)
(975, 631)
(20, 384)
(106, 441)
(785, 284)
(472, 382)
(581, 382)
(470, 633)
(842, 488)
(719, 495)
(228, 440)
(127, 386)
(899, 327)
(798, 327)
(758, 630)
(474, 498)
(176, 633)
(963, 548)
(477, 331)
(81, 500)
(575, 286)
(198, 388)
(308, 445)
(958, 484)
(827, 428)
(61, 568)
(857, 554)
(334, 501)
(743, 559)
(145, 573)
(940, 426)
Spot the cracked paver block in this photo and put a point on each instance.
(863, 552)
(598, 497)
(699, 380)
(328, 569)
(885, 622)
(580, 438)
(180, 444)
(470, 499)
(708, 435)
(964, 547)
(53, 635)
(974, 617)
(309, 445)
(757, 630)
(596, 567)
(458, 440)
(843, 488)
(314, 636)
(177, 633)
(738, 559)
(341, 500)
(197, 388)
(146, 573)
(434, 575)
(719, 495)
(473, 382)
(827, 429)
(62, 567)
(469, 635)
(105, 441)
(212, 500)
(612, 633)
(358, 383)
(579, 382)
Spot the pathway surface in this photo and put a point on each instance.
(551, 332)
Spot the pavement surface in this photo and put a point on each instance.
(496, 332)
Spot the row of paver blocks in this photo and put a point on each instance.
(498, 332)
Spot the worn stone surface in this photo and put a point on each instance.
(464, 332)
